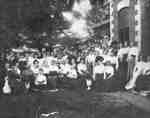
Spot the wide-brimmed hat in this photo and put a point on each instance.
(99, 58)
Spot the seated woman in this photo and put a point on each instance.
(64, 69)
(98, 68)
(27, 76)
(54, 67)
(70, 72)
(35, 67)
(53, 75)
(40, 80)
(110, 81)
(141, 69)
(108, 71)
(15, 80)
(83, 75)
(81, 67)
(45, 65)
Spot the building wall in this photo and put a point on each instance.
(139, 20)
(132, 21)
(113, 20)
(145, 27)
(115, 7)
(103, 26)
(138, 36)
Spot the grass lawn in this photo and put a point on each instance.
(71, 104)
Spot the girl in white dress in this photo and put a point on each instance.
(6, 87)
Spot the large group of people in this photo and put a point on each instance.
(91, 68)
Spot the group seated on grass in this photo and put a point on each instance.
(89, 69)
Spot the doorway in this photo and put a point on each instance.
(124, 25)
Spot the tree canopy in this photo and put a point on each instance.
(31, 17)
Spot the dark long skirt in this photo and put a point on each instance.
(121, 75)
(17, 87)
(70, 83)
(131, 64)
(107, 85)
(82, 81)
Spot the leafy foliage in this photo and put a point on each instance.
(33, 17)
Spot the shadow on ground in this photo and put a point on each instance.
(69, 104)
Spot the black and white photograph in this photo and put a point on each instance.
(74, 58)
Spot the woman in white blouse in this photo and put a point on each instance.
(65, 67)
(82, 67)
(72, 72)
(35, 67)
(72, 76)
(98, 68)
(40, 80)
(98, 73)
